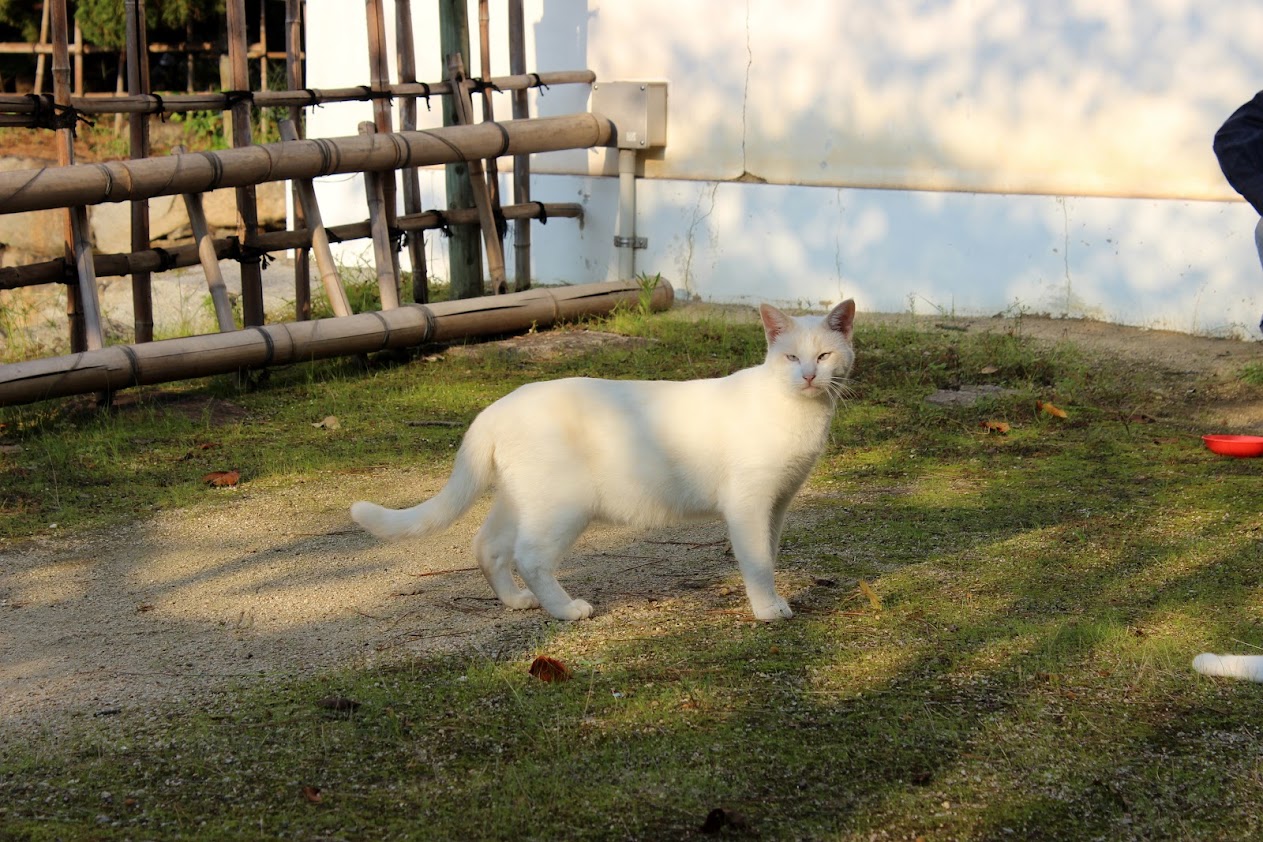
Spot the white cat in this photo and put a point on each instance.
(1249, 667)
(565, 453)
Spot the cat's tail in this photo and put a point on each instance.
(471, 475)
(1249, 667)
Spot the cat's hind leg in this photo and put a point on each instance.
(538, 551)
(493, 547)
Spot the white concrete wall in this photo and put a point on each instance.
(961, 155)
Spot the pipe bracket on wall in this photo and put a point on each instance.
(631, 242)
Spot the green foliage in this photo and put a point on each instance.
(104, 22)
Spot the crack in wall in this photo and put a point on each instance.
(691, 235)
(745, 93)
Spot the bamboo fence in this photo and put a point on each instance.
(377, 153)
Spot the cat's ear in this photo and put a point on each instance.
(842, 318)
(774, 322)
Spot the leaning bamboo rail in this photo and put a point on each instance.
(118, 181)
(110, 265)
(123, 366)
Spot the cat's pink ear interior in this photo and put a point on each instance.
(842, 318)
(774, 322)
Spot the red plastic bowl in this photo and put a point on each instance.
(1240, 446)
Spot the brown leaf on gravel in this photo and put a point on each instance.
(868, 591)
(312, 794)
(222, 479)
(549, 669)
(1051, 409)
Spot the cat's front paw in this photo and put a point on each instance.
(576, 610)
(778, 610)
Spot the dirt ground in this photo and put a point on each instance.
(184, 607)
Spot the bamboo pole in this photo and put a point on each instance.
(13, 104)
(54, 271)
(42, 58)
(294, 78)
(138, 147)
(482, 195)
(122, 366)
(405, 56)
(521, 163)
(328, 268)
(82, 304)
(488, 106)
(379, 219)
(78, 54)
(247, 206)
(464, 255)
(117, 181)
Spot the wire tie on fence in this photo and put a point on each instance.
(133, 363)
(109, 180)
(543, 213)
(271, 346)
(460, 156)
(504, 135)
(217, 168)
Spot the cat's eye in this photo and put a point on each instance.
(822, 357)
(792, 358)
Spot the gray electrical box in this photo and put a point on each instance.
(637, 109)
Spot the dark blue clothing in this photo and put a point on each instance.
(1239, 148)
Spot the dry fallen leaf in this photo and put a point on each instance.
(329, 422)
(312, 794)
(1043, 406)
(222, 479)
(1000, 427)
(549, 669)
(988, 369)
(868, 591)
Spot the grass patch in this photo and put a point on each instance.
(1022, 672)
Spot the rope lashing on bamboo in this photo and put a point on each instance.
(444, 226)
(543, 212)
(160, 107)
(370, 94)
(315, 98)
(477, 86)
(232, 98)
(167, 260)
(46, 114)
(538, 83)
(426, 94)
